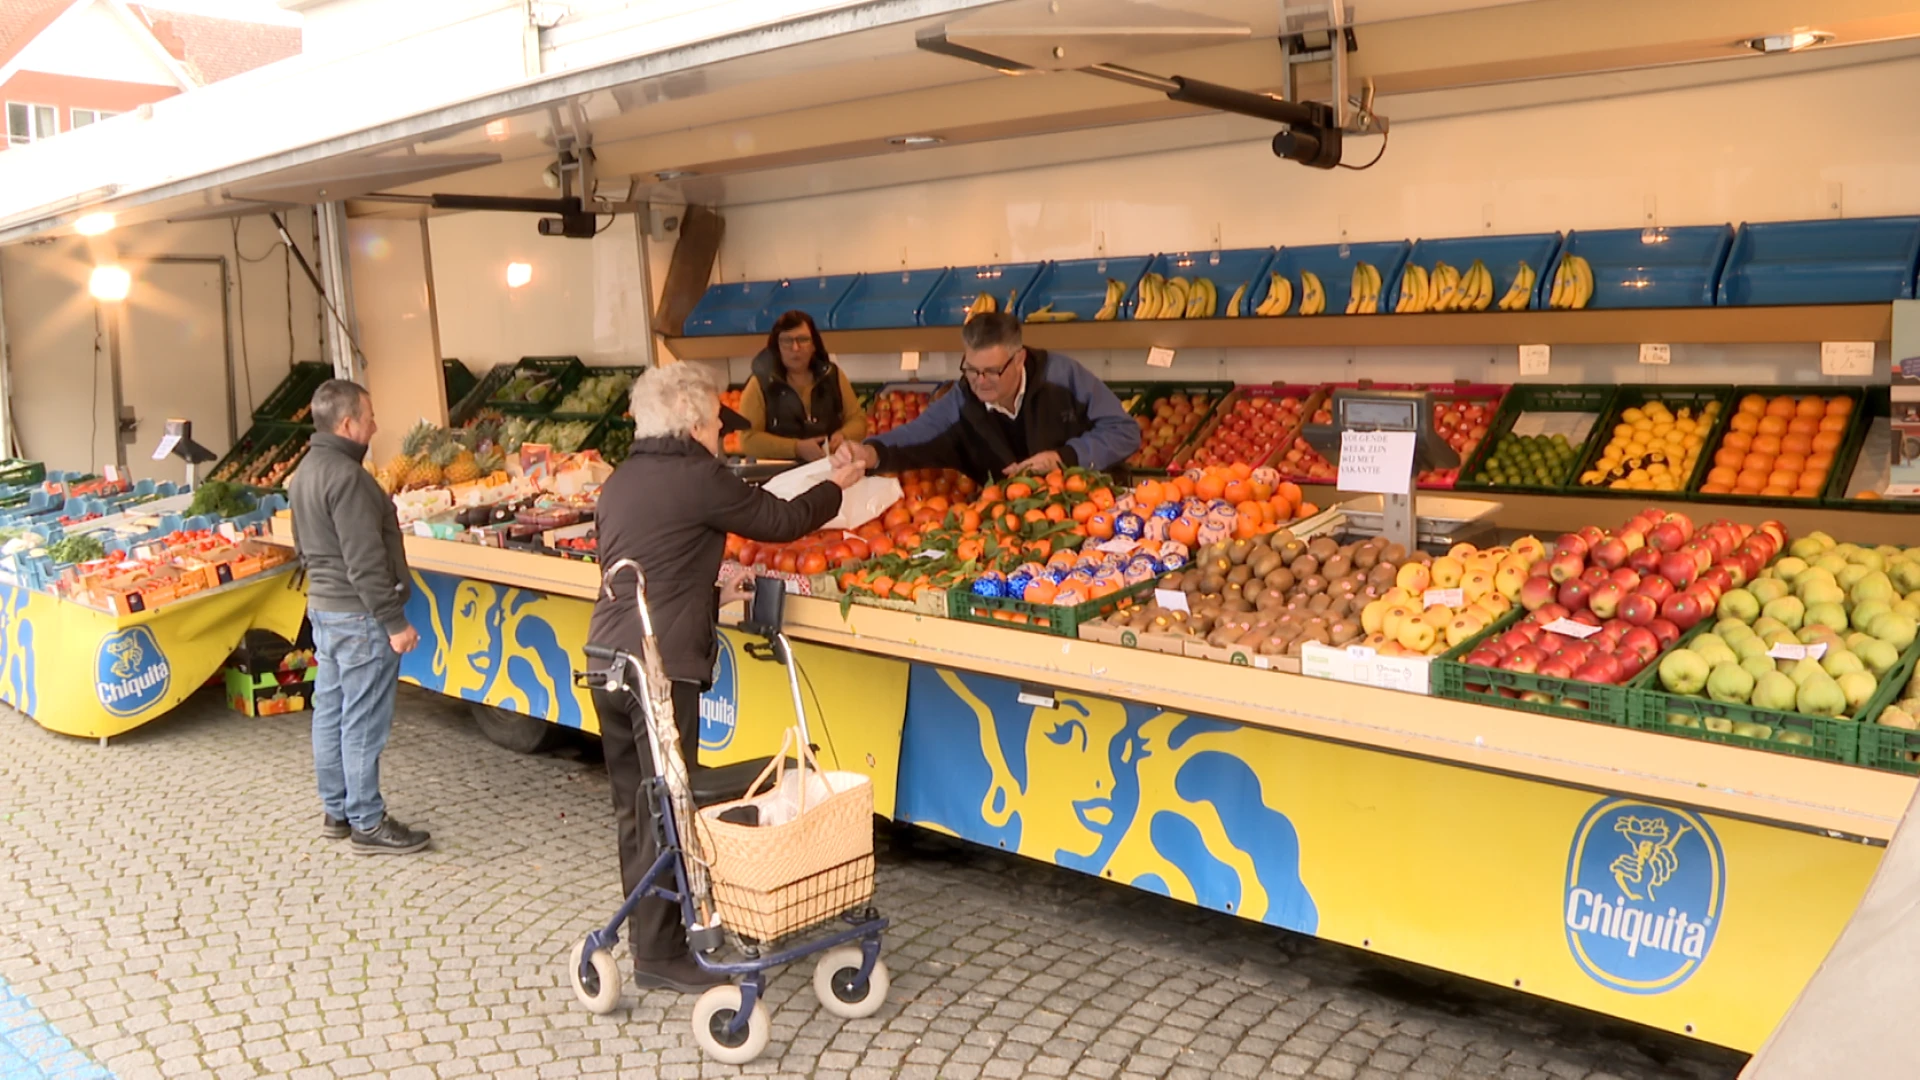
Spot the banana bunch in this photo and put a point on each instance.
(1110, 310)
(1572, 284)
(1364, 297)
(1279, 296)
(984, 304)
(1313, 295)
(1176, 298)
(1045, 313)
(1519, 295)
(1445, 288)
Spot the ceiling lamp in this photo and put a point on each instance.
(110, 283)
(97, 224)
(1787, 43)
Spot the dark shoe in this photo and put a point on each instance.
(680, 973)
(333, 828)
(393, 837)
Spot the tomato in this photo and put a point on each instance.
(857, 547)
(813, 563)
(745, 553)
(787, 562)
(839, 554)
(881, 545)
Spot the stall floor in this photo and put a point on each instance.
(166, 909)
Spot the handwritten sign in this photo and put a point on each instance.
(1569, 628)
(1784, 651)
(1535, 359)
(1171, 599)
(1363, 666)
(1159, 357)
(1846, 358)
(1656, 354)
(1452, 598)
(909, 361)
(1380, 462)
(1119, 545)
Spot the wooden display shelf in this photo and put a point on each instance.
(1674, 326)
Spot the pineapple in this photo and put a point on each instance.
(490, 461)
(399, 469)
(426, 465)
(464, 469)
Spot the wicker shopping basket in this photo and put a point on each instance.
(772, 880)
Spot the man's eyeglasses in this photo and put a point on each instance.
(993, 372)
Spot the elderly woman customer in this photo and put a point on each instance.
(800, 404)
(669, 507)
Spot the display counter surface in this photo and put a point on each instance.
(1774, 788)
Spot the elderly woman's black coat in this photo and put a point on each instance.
(669, 507)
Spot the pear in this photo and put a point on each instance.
(1765, 625)
(1739, 605)
(1713, 650)
(1802, 670)
(1774, 692)
(1730, 682)
(1813, 591)
(1719, 724)
(1859, 638)
(1862, 615)
(1831, 563)
(1896, 630)
(1905, 573)
(1758, 667)
(1773, 588)
(1750, 647)
(1907, 607)
(1820, 695)
(1841, 662)
(1857, 686)
(1788, 611)
(1853, 573)
(1829, 615)
(1871, 586)
(1680, 719)
(1749, 730)
(1896, 717)
(1793, 736)
(1869, 558)
(1782, 636)
(1806, 548)
(1730, 629)
(1879, 656)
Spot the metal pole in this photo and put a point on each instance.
(643, 245)
(337, 296)
(8, 437)
(112, 313)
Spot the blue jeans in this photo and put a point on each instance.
(352, 713)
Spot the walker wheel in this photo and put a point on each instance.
(599, 988)
(833, 976)
(712, 1015)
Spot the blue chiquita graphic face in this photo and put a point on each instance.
(131, 674)
(1645, 889)
(720, 705)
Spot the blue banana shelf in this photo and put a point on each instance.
(948, 303)
(1863, 261)
(1333, 264)
(886, 300)
(1651, 268)
(1080, 285)
(1502, 254)
(731, 308)
(817, 296)
(1228, 270)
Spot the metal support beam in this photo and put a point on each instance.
(336, 293)
(9, 442)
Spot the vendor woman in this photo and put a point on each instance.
(799, 402)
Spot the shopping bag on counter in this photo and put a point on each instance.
(859, 504)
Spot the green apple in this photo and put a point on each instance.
(1830, 615)
(1896, 630)
(1729, 682)
(1683, 671)
(1820, 695)
(1774, 692)
(1788, 611)
(1739, 604)
(1857, 686)
(1773, 588)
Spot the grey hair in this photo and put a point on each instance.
(334, 402)
(991, 328)
(672, 400)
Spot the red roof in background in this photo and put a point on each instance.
(22, 20)
(216, 49)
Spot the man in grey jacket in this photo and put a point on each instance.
(348, 537)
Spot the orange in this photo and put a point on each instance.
(1019, 489)
(1307, 510)
(1100, 526)
(1754, 404)
(1757, 462)
(991, 494)
(1291, 491)
(813, 563)
(1056, 512)
(1790, 462)
(1739, 440)
(1839, 406)
(1811, 406)
(1819, 461)
(1240, 470)
(1730, 458)
(1782, 478)
(1103, 498)
(1183, 531)
(1753, 479)
(1805, 492)
(1210, 487)
(1766, 444)
(1238, 491)
(1836, 424)
(1800, 425)
(1723, 476)
(1183, 484)
(1776, 491)
(1083, 511)
(1784, 405)
(1773, 425)
(1039, 591)
(1147, 495)
(1826, 442)
(1796, 444)
(1716, 489)
(1745, 488)
(1745, 422)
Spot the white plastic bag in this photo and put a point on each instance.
(859, 504)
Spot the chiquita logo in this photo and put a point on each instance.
(131, 673)
(1645, 889)
(720, 706)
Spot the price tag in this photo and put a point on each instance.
(1159, 357)
(1452, 598)
(1380, 462)
(1316, 660)
(1656, 354)
(1846, 358)
(168, 442)
(909, 361)
(1571, 629)
(1535, 359)
(1798, 652)
(1171, 599)
(1119, 545)
(1362, 665)
(930, 553)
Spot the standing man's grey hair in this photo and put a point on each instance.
(991, 328)
(335, 402)
(673, 400)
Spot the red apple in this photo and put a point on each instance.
(1644, 561)
(1665, 632)
(1566, 564)
(1718, 577)
(1592, 534)
(1630, 664)
(1707, 597)
(1627, 578)
(1641, 642)
(1556, 667)
(1638, 609)
(1594, 576)
(1656, 588)
(1600, 669)
(1536, 593)
(1680, 609)
(1571, 542)
(1684, 522)
(1609, 554)
(1586, 617)
(1679, 568)
(1551, 612)
(1483, 657)
(1527, 659)
(1514, 640)
(1605, 599)
(1573, 594)
(1665, 537)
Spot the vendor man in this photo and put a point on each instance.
(1017, 410)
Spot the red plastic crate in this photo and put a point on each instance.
(1224, 413)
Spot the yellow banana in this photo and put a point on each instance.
(1233, 302)
(1515, 298)
(1582, 282)
(1481, 294)
(1313, 295)
(1116, 292)
(1562, 282)
(1148, 301)
(1175, 304)
(1279, 295)
(1203, 301)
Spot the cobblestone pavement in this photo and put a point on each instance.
(167, 907)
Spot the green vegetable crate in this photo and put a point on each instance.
(1891, 748)
(616, 406)
(561, 373)
(1574, 412)
(1813, 736)
(1570, 699)
(290, 401)
(459, 382)
(1675, 398)
(1058, 619)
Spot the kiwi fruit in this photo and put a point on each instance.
(1270, 598)
(1236, 604)
(1213, 582)
(1279, 578)
(1365, 555)
(1343, 631)
(1323, 547)
(1313, 585)
(1291, 550)
(1381, 577)
(1223, 635)
(1337, 567)
(1304, 567)
(1421, 557)
(1238, 550)
(1318, 602)
(1274, 645)
(1233, 591)
(1264, 561)
(1393, 553)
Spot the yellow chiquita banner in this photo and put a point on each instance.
(83, 672)
(517, 649)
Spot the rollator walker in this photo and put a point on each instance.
(730, 1021)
